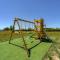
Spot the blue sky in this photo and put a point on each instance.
(30, 10)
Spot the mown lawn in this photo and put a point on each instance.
(12, 52)
(6, 49)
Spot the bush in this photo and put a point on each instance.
(6, 29)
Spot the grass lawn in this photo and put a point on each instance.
(11, 52)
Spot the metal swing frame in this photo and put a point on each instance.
(25, 46)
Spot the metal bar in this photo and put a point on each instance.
(23, 40)
(24, 20)
(12, 32)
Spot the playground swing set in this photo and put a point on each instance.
(37, 27)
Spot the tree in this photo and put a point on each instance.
(11, 28)
(30, 29)
(6, 29)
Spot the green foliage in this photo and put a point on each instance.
(30, 29)
(6, 29)
(52, 29)
(11, 28)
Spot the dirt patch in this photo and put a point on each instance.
(55, 56)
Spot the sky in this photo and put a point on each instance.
(49, 10)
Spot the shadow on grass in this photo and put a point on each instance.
(47, 40)
(29, 50)
(43, 40)
(17, 46)
(35, 45)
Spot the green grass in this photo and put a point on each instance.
(11, 52)
(5, 36)
(30, 42)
